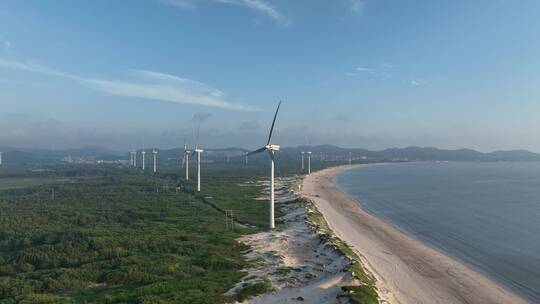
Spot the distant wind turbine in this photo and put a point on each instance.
(270, 148)
(198, 151)
(309, 162)
(302, 159)
(154, 152)
(143, 159)
(185, 160)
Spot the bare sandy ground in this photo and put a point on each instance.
(300, 266)
(407, 271)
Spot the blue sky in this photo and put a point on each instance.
(355, 73)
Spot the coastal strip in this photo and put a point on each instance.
(406, 270)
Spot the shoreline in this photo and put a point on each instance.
(406, 269)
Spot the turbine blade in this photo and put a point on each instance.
(256, 151)
(273, 122)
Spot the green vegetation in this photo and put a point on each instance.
(118, 236)
(13, 183)
(366, 292)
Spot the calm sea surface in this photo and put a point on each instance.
(486, 214)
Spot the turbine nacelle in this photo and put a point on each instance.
(272, 147)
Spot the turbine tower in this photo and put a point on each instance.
(198, 151)
(131, 158)
(143, 159)
(154, 152)
(270, 148)
(185, 160)
(134, 158)
(309, 162)
(302, 159)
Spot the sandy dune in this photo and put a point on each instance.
(301, 267)
(407, 271)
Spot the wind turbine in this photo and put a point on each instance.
(309, 162)
(270, 148)
(154, 152)
(302, 159)
(198, 151)
(131, 157)
(185, 160)
(134, 158)
(143, 159)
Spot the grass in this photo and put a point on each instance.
(366, 291)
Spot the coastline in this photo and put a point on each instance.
(406, 270)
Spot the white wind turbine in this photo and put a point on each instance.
(131, 157)
(302, 159)
(154, 152)
(198, 151)
(309, 162)
(271, 148)
(143, 159)
(185, 160)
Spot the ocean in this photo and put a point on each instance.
(484, 214)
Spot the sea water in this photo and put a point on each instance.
(485, 214)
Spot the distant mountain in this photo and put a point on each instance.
(326, 152)
(415, 154)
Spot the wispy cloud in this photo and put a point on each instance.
(144, 84)
(4, 43)
(357, 6)
(385, 71)
(259, 6)
(179, 4)
(365, 69)
(418, 82)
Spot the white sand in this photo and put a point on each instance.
(300, 266)
(407, 271)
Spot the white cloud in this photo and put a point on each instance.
(418, 82)
(357, 6)
(259, 6)
(4, 43)
(180, 4)
(146, 84)
(359, 70)
(364, 69)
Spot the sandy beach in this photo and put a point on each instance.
(407, 270)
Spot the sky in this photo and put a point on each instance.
(355, 73)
